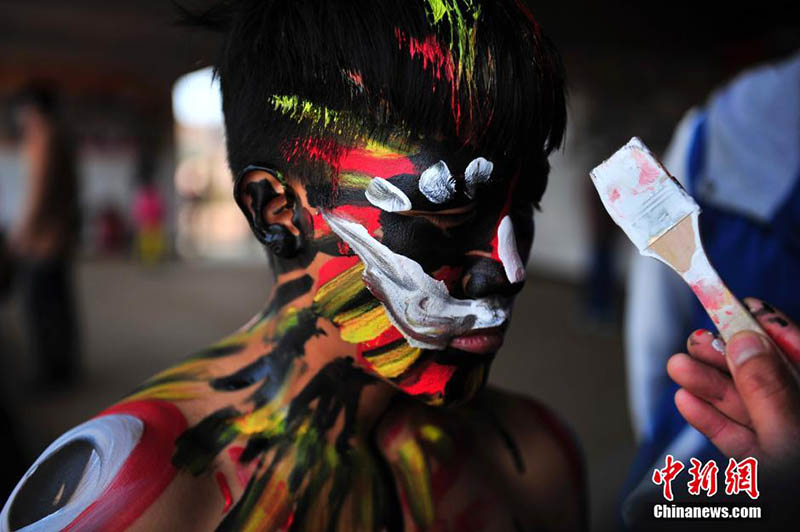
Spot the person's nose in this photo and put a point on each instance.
(484, 277)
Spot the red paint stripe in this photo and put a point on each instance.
(437, 59)
(321, 227)
(243, 471)
(451, 275)
(313, 148)
(335, 267)
(289, 521)
(344, 159)
(429, 378)
(388, 336)
(362, 161)
(222, 482)
(144, 475)
(529, 15)
(434, 55)
(787, 341)
(369, 217)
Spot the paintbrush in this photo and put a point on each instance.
(661, 219)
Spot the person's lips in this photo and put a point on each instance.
(480, 341)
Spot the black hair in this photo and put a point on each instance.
(336, 71)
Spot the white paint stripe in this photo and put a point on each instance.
(478, 171)
(437, 184)
(507, 249)
(387, 197)
(419, 306)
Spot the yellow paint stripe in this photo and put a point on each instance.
(417, 481)
(172, 391)
(355, 313)
(378, 149)
(366, 327)
(196, 368)
(338, 291)
(394, 362)
(354, 180)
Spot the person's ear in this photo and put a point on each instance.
(271, 208)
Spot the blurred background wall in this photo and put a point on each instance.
(141, 104)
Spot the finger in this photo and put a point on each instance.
(783, 330)
(710, 385)
(706, 347)
(768, 386)
(731, 438)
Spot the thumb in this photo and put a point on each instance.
(769, 389)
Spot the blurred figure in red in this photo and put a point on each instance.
(148, 216)
(45, 236)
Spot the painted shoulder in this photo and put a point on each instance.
(542, 446)
(501, 454)
(91, 477)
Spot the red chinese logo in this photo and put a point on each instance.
(703, 478)
(666, 475)
(742, 476)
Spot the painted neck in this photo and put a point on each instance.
(319, 367)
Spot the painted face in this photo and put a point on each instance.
(430, 254)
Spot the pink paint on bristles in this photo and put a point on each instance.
(649, 170)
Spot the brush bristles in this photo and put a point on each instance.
(640, 195)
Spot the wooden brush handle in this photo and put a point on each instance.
(728, 313)
(680, 248)
(741, 320)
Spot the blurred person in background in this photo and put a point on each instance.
(44, 238)
(148, 217)
(739, 156)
